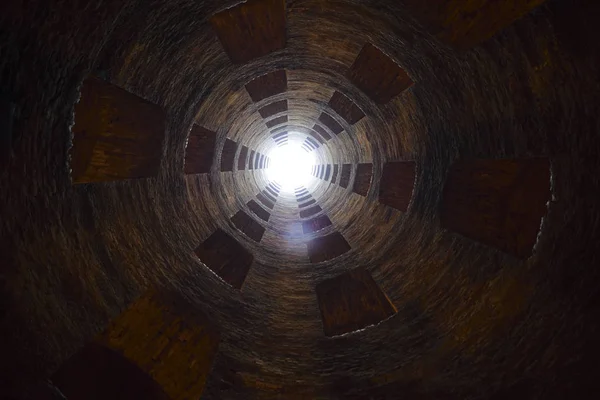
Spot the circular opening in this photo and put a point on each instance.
(290, 166)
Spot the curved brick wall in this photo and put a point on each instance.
(453, 253)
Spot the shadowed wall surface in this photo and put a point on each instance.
(471, 320)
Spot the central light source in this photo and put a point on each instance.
(290, 166)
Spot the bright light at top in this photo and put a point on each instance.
(290, 167)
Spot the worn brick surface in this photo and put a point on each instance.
(465, 24)
(226, 257)
(267, 85)
(248, 226)
(397, 184)
(336, 168)
(319, 129)
(116, 135)
(277, 121)
(96, 372)
(258, 210)
(309, 212)
(273, 108)
(160, 335)
(307, 203)
(498, 202)
(319, 138)
(472, 322)
(328, 247)
(243, 158)
(352, 301)
(269, 196)
(345, 175)
(362, 181)
(267, 202)
(316, 224)
(252, 29)
(200, 150)
(346, 108)
(251, 159)
(331, 123)
(228, 155)
(376, 74)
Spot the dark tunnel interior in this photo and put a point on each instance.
(299, 199)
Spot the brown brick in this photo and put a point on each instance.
(273, 108)
(324, 248)
(258, 210)
(252, 29)
(165, 337)
(263, 199)
(248, 226)
(466, 24)
(362, 182)
(309, 212)
(267, 85)
(498, 202)
(228, 155)
(336, 168)
(200, 150)
(7, 133)
(243, 158)
(116, 135)
(316, 224)
(277, 121)
(346, 108)
(397, 183)
(378, 75)
(319, 129)
(96, 372)
(345, 175)
(226, 257)
(352, 301)
(331, 123)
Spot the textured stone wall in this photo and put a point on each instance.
(155, 349)
(472, 321)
